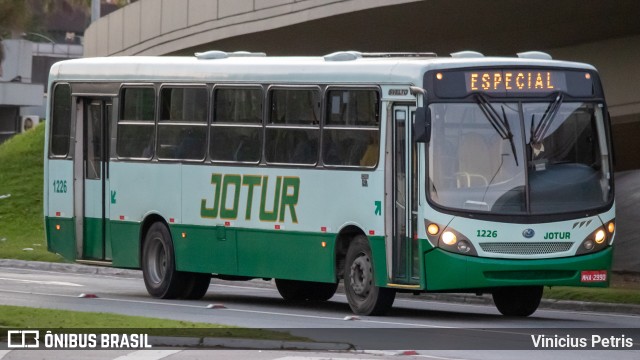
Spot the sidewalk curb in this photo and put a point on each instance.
(549, 304)
(68, 267)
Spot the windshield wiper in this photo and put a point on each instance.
(540, 131)
(499, 123)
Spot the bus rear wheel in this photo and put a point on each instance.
(517, 300)
(364, 297)
(295, 290)
(158, 264)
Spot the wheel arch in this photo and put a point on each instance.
(148, 221)
(344, 238)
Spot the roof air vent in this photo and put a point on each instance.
(539, 55)
(466, 54)
(247, 54)
(217, 54)
(213, 54)
(343, 56)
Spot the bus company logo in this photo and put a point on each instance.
(528, 233)
(272, 208)
(23, 339)
(398, 92)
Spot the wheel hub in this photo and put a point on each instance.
(360, 276)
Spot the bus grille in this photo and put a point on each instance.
(531, 248)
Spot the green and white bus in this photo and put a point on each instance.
(394, 172)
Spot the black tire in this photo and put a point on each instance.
(196, 286)
(519, 301)
(365, 298)
(295, 290)
(159, 266)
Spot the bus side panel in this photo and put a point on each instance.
(205, 249)
(286, 255)
(125, 243)
(378, 253)
(61, 237)
(137, 190)
(449, 271)
(59, 217)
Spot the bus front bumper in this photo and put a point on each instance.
(449, 271)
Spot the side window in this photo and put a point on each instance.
(182, 125)
(61, 120)
(293, 131)
(236, 130)
(136, 123)
(351, 135)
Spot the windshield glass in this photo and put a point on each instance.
(518, 158)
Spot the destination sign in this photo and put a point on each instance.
(513, 81)
(510, 82)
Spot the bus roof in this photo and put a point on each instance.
(259, 69)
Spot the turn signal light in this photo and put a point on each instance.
(611, 227)
(433, 229)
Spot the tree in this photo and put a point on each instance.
(14, 16)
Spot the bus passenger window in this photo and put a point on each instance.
(293, 130)
(61, 120)
(236, 130)
(351, 132)
(136, 123)
(182, 124)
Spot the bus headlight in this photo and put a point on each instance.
(453, 241)
(596, 241)
(449, 238)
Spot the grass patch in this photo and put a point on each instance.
(19, 317)
(605, 295)
(21, 216)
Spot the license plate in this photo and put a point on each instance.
(593, 276)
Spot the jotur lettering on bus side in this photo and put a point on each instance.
(225, 203)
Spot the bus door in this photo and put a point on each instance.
(92, 178)
(405, 265)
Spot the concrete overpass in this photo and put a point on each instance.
(601, 32)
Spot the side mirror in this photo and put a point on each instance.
(422, 125)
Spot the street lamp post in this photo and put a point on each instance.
(95, 10)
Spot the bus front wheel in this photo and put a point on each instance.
(295, 290)
(364, 297)
(517, 300)
(158, 264)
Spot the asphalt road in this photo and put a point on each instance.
(412, 323)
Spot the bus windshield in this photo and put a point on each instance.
(517, 158)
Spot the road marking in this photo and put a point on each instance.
(3, 353)
(399, 353)
(61, 283)
(68, 273)
(332, 357)
(147, 355)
